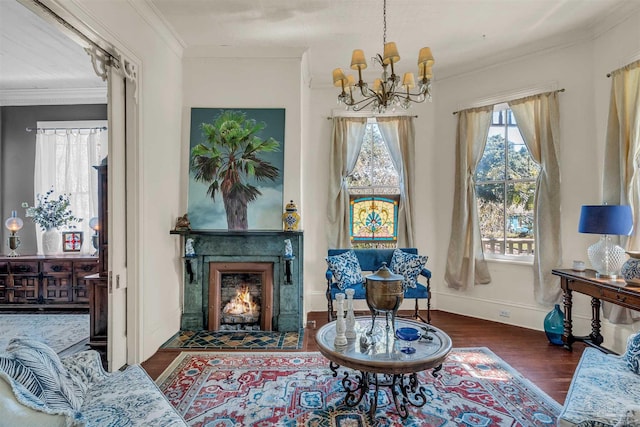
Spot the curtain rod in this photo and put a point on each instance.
(558, 90)
(56, 129)
(371, 117)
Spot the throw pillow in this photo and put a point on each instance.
(409, 265)
(39, 379)
(345, 267)
(632, 353)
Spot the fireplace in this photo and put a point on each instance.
(240, 296)
(257, 253)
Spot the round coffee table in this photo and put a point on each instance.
(377, 355)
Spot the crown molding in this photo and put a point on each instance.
(244, 52)
(156, 20)
(20, 97)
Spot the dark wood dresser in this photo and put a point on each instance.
(45, 282)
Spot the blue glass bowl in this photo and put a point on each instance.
(408, 334)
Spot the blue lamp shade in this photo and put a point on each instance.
(606, 219)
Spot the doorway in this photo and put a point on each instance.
(118, 87)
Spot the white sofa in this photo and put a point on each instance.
(604, 392)
(39, 389)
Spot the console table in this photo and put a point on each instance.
(585, 282)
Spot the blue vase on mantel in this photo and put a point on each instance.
(554, 325)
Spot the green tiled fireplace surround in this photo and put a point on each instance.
(243, 246)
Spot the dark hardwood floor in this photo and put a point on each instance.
(548, 366)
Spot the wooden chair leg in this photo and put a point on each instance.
(330, 309)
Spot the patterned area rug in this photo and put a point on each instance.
(236, 340)
(475, 389)
(58, 331)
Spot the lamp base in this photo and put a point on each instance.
(606, 258)
(13, 242)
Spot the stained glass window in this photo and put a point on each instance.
(373, 218)
(374, 193)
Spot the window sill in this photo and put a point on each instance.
(524, 262)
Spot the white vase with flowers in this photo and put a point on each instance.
(50, 213)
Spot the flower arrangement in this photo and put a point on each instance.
(51, 212)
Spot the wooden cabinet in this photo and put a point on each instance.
(45, 282)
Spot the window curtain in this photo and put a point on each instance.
(398, 134)
(64, 161)
(466, 265)
(538, 119)
(346, 141)
(622, 161)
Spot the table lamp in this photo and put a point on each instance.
(94, 224)
(605, 256)
(13, 224)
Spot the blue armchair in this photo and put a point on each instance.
(370, 260)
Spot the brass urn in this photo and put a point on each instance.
(384, 290)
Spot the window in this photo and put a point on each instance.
(374, 194)
(505, 188)
(66, 153)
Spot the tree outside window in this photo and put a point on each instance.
(505, 187)
(374, 194)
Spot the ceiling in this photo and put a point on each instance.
(36, 55)
(463, 34)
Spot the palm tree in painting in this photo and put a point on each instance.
(229, 158)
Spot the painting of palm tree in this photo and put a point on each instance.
(231, 161)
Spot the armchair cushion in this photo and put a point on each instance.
(632, 353)
(408, 265)
(346, 269)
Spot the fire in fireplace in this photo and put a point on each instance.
(241, 311)
(240, 296)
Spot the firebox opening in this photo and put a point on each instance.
(240, 296)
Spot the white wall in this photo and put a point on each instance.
(580, 69)
(159, 273)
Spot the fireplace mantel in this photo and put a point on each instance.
(243, 246)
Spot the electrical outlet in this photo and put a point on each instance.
(504, 313)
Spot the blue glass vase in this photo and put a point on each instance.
(554, 325)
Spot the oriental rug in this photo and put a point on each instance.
(475, 389)
(61, 332)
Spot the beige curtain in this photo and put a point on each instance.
(466, 265)
(399, 135)
(538, 119)
(622, 161)
(346, 140)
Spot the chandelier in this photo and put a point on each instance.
(387, 92)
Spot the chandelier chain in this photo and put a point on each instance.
(384, 22)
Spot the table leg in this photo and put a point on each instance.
(405, 389)
(595, 336)
(567, 336)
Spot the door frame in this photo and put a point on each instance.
(103, 52)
